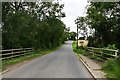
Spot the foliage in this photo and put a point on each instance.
(111, 46)
(30, 24)
(80, 50)
(104, 18)
(66, 33)
(82, 25)
(72, 35)
(112, 68)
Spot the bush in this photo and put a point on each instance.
(112, 68)
(113, 46)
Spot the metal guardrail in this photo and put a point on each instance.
(12, 53)
(106, 53)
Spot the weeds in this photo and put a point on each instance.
(79, 50)
(112, 68)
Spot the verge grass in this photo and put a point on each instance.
(79, 50)
(112, 68)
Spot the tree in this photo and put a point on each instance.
(73, 35)
(104, 18)
(30, 24)
(82, 23)
(66, 33)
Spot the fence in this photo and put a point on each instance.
(12, 53)
(104, 53)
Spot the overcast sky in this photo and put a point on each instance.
(73, 9)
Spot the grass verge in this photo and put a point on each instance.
(9, 62)
(79, 50)
(112, 68)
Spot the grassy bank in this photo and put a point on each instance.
(110, 67)
(79, 50)
(7, 63)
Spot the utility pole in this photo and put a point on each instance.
(76, 22)
(77, 37)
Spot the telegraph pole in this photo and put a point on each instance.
(76, 22)
(77, 37)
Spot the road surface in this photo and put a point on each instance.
(62, 63)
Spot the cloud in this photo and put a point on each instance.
(73, 9)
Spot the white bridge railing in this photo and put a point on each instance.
(12, 53)
(102, 52)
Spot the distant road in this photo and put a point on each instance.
(62, 63)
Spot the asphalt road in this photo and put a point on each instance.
(62, 63)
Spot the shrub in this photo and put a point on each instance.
(113, 46)
(112, 68)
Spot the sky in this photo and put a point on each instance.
(73, 9)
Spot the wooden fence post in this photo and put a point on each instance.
(12, 54)
(116, 52)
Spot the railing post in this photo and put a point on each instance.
(12, 54)
(100, 52)
(92, 51)
(116, 52)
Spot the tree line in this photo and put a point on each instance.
(32, 24)
(103, 18)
